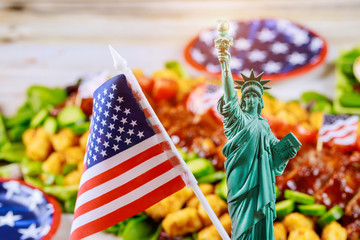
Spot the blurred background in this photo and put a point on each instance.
(54, 42)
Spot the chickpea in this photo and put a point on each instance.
(182, 222)
(334, 231)
(280, 231)
(296, 220)
(54, 163)
(303, 234)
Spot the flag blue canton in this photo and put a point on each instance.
(269, 45)
(118, 121)
(331, 119)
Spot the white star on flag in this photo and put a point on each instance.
(242, 44)
(117, 108)
(197, 55)
(12, 188)
(233, 29)
(123, 120)
(127, 111)
(31, 232)
(114, 117)
(115, 147)
(130, 132)
(214, 52)
(283, 25)
(9, 219)
(120, 99)
(213, 67)
(247, 72)
(140, 134)
(272, 67)
(266, 35)
(45, 230)
(49, 209)
(103, 153)
(128, 141)
(133, 123)
(121, 129)
(208, 37)
(296, 58)
(36, 198)
(300, 37)
(108, 135)
(316, 44)
(235, 63)
(257, 55)
(279, 48)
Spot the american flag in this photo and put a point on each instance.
(276, 47)
(340, 129)
(128, 165)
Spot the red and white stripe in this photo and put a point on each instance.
(342, 132)
(126, 184)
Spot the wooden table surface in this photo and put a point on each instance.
(53, 42)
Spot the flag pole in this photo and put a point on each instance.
(319, 145)
(120, 65)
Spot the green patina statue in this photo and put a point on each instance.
(254, 155)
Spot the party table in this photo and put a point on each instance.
(55, 42)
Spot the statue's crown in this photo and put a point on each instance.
(252, 83)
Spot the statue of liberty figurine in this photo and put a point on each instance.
(254, 156)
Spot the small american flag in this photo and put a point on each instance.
(340, 129)
(128, 166)
(203, 98)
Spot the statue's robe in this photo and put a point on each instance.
(250, 172)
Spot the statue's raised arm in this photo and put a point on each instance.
(223, 43)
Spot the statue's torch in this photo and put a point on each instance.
(223, 44)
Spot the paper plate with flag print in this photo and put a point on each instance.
(26, 212)
(278, 47)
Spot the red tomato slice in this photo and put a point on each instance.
(164, 89)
